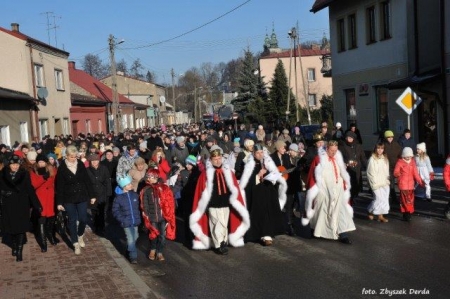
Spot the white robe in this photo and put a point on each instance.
(378, 177)
(327, 206)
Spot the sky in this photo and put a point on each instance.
(164, 34)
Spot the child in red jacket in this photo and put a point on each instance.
(407, 175)
(447, 183)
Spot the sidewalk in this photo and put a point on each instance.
(99, 272)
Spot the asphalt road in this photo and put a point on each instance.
(385, 259)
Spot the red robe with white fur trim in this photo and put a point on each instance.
(327, 202)
(198, 221)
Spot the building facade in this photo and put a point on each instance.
(381, 47)
(40, 71)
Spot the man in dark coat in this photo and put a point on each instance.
(355, 159)
(16, 197)
(154, 141)
(393, 151)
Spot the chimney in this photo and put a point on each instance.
(72, 65)
(15, 27)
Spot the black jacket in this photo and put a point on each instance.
(73, 188)
(101, 181)
(17, 196)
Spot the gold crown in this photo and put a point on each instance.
(317, 137)
(216, 153)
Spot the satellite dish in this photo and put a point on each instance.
(162, 99)
(42, 93)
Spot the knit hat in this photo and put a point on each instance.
(31, 156)
(143, 144)
(422, 146)
(124, 181)
(52, 155)
(191, 160)
(285, 131)
(407, 152)
(293, 147)
(350, 134)
(180, 139)
(15, 160)
(388, 133)
(93, 157)
(41, 157)
(116, 149)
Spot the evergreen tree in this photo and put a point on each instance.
(279, 93)
(326, 108)
(248, 81)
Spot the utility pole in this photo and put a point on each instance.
(173, 95)
(195, 103)
(290, 33)
(115, 105)
(295, 36)
(305, 91)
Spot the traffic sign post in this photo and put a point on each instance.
(408, 101)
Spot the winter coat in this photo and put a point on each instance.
(393, 151)
(73, 188)
(154, 142)
(156, 202)
(137, 176)
(193, 148)
(17, 196)
(163, 168)
(260, 135)
(45, 191)
(125, 208)
(101, 182)
(447, 174)
(407, 143)
(378, 172)
(125, 163)
(407, 174)
(179, 154)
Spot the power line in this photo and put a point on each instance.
(192, 30)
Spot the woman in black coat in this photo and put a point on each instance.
(17, 196)
(73, 192)
(100, 178)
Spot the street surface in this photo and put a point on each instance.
(385, 259)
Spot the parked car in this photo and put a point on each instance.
(308, 132)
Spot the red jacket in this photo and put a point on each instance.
(407, 174)
(45, 191)
(447, 174)
(163, 168)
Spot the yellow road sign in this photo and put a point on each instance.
(408, 100)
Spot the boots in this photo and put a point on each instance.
(50, 231)
(42, 235)
(14, 245)
(382, 219)
(20, 242)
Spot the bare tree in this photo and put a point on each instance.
(151, 77)
(93, 65)
(136, 69)
(122, 66)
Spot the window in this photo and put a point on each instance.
(370, 25)
(124, 122)
(341, 35)
(131, 121)
(312, 100)
(311, 75)
(88, 125)
(350, 100)
(43, 127)
(382, 109)
(39, 75)
(5, 137)
(24, 131)
(66, 126)
(352, 40)
(59, 80)
(385, 12)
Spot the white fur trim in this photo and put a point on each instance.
(271, 167)
(314, 190)
(235, 239)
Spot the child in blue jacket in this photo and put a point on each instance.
(126, 210)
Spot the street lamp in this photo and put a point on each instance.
(196, 103)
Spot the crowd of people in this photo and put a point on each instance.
(229, 185)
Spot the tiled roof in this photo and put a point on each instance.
(25, 37)
(303, 52)
(320, 4)
(14, 94)
(94, 86)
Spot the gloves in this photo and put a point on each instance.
(432, 176)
